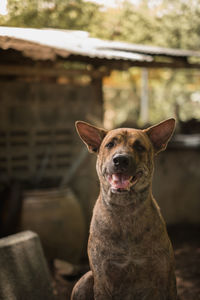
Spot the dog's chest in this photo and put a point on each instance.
(116, 267)
(125, 252)
(117, 248)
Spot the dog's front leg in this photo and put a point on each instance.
(83, 290)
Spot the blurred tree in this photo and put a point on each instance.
(167, 23)
(179, 23)
(64, 14)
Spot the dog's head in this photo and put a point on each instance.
(125, 155)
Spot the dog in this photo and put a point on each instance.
(130, 254)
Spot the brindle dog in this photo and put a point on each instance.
(130, 254)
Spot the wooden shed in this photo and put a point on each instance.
(48, 80)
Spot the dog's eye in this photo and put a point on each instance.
(139, 147)
(110, 145)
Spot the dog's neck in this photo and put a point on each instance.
(131, 200)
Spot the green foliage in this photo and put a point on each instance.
(173, 24)
(171, 93)
(180, 25)
(63, 14)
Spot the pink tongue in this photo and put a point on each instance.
(120, 181)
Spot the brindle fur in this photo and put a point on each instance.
(130, 254)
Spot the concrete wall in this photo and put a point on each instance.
(176, 185)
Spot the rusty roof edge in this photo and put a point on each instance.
(66, 42)
(48, 52)
(22, 39)
(31, 50)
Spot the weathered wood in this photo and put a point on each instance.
(24, 273)
(37, 135)
(144, 101)
(22, 70)
(176, 63)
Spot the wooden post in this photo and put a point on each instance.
(144, 102)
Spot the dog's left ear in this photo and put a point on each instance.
(160, 134)
(92, 136)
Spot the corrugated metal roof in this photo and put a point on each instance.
(48, 43)
(63, 43)
(150, 50)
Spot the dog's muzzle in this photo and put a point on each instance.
(122, 173)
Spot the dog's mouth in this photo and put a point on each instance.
(121, 182)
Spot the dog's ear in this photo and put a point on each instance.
(92, 136)
(160, 134)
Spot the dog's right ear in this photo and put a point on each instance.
(92, 136)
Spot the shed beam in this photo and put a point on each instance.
(50, 72)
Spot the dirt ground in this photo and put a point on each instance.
(186, 243)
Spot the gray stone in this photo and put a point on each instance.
(24, 273)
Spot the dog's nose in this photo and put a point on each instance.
(121, 161)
